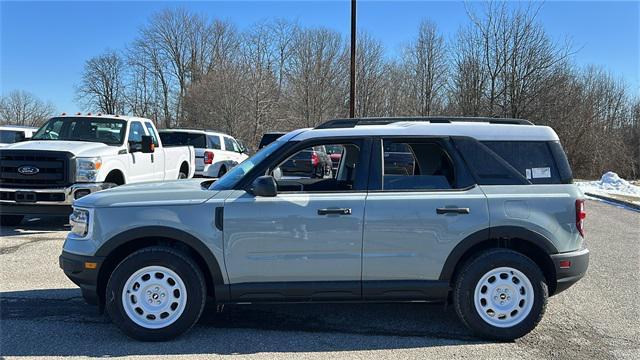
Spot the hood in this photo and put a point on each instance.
(77, 148)
(177, 192)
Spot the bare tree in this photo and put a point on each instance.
(23, 108)
(315, 73)
(370, 75)
(425, 61)
(101, 88)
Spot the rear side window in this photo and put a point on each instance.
(214, 142)
(489, 168)
(183, 138)
(416, 165)
(152, 132)
(532, 159)
(10, 137)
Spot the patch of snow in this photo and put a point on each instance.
(610, 183)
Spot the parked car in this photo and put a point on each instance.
(398, 159)
(312, 162)
(72, 156)
(269, 137)
(216, 153)
(493, 234)
(10, 134)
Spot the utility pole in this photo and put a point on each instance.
(352, 82)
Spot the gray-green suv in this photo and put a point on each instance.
(478, 212)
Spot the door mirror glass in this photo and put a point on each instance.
(264, 186)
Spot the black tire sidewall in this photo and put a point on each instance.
(471, 274)
(184, 267)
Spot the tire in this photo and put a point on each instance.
(182, 175)
(517, 282)
(223, 170)
(177, 273)
(11, 220)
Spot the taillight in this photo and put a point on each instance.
(315, 160)
(208, 157)
(580, 215)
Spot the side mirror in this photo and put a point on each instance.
(147, 144)
(264, 186)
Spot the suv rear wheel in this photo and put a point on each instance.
(155, 294)
(500, 294)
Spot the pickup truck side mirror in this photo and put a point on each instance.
(264, 186)
(147, 145)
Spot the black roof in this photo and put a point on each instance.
(349, 123)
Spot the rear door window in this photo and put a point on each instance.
(152, 132)
(532, 159)
(214, 142)
(416, 165)
(179, 138)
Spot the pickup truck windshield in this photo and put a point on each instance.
(230, 179)
(107, 131)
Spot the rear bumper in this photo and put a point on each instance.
(80, 270)
(567, 276)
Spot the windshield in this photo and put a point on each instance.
(108, 131)
(230, 179)
(10, 136)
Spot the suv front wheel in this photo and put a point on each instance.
(155, 294)
(500, 294)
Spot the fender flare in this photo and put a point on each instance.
(494, 233)
(220, 288)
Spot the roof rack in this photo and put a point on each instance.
(349, 123)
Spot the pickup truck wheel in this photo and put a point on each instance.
(11, 220)
(500, 294)
(223, 170)
(155, 294)
(182, 175)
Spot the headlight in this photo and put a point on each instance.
(79, 221)
(87, 169)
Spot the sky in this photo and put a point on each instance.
(45, 44)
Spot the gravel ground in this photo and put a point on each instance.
(42, 314)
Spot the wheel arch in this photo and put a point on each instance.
(118, 174)
(121, 245)
(184, 167)
(534, 245)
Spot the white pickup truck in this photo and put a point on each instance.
(72, 156)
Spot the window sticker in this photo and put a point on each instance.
(528, 173)
(539, 173)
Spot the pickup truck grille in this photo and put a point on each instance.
(54, 169)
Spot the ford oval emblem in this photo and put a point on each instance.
(28, 170)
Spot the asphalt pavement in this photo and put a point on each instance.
(43, 315)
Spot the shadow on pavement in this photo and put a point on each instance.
(37, 225)
(57, 322)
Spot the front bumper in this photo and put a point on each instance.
(83, 271)
(55, 201)
(567, 276)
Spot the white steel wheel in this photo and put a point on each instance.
(503, 297)
(154, 297)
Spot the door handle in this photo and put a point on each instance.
(341, 211)
(461, 211)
